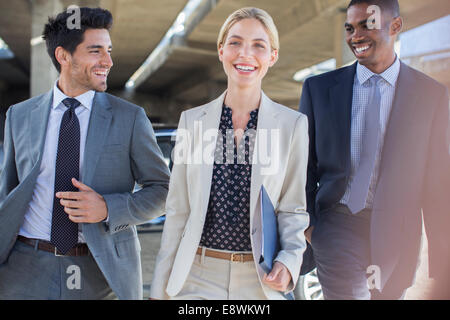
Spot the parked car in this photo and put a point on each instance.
(308, 287)
(165, 137)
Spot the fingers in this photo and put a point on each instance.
(81, 186)
(76, 215)
(75, 212)
(308, 234)
(74, 195)
(72, 204)
(69, 195)
(79, 219)
(83, 206)
(279, 278)
(273, 275)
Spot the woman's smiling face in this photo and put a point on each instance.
(246, 53)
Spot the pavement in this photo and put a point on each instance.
(151, 240)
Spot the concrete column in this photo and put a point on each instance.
(43, 73)
(342, 52)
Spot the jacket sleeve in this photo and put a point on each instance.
(436, 199)
(292, 216)
(177, 212)
(306, 108)
(8, 178)
(150, 172)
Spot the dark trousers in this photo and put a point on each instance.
(341, 246)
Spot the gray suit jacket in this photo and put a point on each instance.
(120, 150)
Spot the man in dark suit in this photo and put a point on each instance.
(72, 157)
(378, 157)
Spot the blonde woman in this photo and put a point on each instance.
(225, 151)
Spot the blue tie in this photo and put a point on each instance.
(64, 232)
(360, 186)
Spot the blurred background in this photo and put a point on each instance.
(165, 60)
(165, 56)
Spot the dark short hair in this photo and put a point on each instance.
(391, 5)
(57, 32)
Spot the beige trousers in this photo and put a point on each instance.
(219, 279)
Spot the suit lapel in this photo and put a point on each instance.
(210, 120)
(341, 99)
(387, 218)
(400, 119)
(99, 123)
(267, 121)
(38, 122)
(205, 138)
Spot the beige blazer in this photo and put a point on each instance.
(279, 163)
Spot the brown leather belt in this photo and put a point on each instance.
(235, 257)
(79, 250)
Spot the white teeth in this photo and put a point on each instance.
(245, 68)
(101, 73)
(362, 49)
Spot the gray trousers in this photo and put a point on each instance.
(39, 275)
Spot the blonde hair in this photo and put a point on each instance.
(250, 13)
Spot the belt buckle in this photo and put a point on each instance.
(240, 255)
(59, 255)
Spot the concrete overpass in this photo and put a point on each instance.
(188, 73)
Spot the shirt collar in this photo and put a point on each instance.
(85, 99)
(390, 74)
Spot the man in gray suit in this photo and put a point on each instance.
(72, 158)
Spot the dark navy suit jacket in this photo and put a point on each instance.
(414, 173)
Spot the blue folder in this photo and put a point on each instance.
(270, 240)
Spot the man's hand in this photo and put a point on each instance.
(84, 206)
(308, 234)
(279, 278)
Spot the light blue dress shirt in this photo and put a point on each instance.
(361, 96)
(38, 218)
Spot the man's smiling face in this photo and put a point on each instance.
(371, 37)
(91, 62)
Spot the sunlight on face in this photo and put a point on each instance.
(246, 54)
(91, 61)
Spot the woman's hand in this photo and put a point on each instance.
(279, 278)
(308, 234)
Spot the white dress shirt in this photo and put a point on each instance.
(38, 218)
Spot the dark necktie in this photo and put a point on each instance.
(64, 232)
(361, 182)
